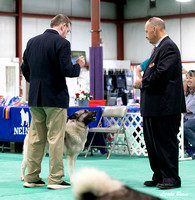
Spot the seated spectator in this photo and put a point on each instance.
(189, 116)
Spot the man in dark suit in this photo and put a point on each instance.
(46, 63)
(162, 102)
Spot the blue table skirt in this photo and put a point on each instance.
(16, 128)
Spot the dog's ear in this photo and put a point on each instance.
(73, 116)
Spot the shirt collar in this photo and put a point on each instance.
(160, 40)
(55, 30)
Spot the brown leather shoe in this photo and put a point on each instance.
(168, 185)
(150, 183)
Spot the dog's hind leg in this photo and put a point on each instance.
(71, 165)
(24, 161)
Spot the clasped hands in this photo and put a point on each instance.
(137, 84)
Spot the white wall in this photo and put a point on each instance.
(80, 36)
(136, 47)
(32, 27)
(181, 31)
(7, 38)
(7, 5)
(141, 8)
(79, 8)
(189, 66)
(50, 7)
(188, 39)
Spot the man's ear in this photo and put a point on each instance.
(61, 27)
(73, 116)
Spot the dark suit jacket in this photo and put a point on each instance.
(46, 63)
(162, 87)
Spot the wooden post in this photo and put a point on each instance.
(120, 32)
(19, 39)
(95, 23)
(96, 54)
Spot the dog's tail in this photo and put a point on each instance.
(90, 183)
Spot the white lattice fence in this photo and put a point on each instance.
(135, 131)
(133, 124)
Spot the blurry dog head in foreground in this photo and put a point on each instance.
(84, 116)
(92, 184)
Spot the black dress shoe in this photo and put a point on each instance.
(150, 183)
(167, 185)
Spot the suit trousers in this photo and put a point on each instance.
(47, 124)
(160, 135)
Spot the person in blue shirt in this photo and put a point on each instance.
(143, 65)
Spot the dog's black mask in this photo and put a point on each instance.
(84, 116)
(89, 196)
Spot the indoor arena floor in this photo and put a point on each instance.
(131, 171)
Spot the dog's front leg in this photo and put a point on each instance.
(71, 165)
(24, 161)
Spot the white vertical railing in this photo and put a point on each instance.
(134, 130)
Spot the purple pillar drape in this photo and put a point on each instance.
(96, 72)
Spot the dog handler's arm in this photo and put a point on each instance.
(25, 68)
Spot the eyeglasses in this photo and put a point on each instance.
(69, 31)
(68, 27)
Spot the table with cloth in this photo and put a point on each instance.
(13, 128)
(15, 123)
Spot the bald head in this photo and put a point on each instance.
(156, 22)
(155, 29)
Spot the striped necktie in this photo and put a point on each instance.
(153, 50)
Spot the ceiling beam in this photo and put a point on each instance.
(33, 15)
(115, 1)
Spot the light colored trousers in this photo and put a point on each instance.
(47, 124)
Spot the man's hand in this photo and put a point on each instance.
(81, 61)
(137, 84)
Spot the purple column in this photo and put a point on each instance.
(96, 72)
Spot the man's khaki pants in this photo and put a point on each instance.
(47, 124)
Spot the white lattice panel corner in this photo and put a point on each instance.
(134, 130)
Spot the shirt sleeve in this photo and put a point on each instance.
(190, 103)
(144, 64)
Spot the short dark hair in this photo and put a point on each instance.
(59, 19)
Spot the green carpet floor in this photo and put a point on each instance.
(131, 171)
